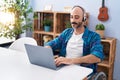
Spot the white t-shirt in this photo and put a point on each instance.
(74, 47)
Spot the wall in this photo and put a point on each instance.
(92, 6)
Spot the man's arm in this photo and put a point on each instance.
(84, 59)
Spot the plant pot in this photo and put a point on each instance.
(101, 33)
(47, 28)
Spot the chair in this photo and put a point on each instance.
(98, 76)
(19, 43)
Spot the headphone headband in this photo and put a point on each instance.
(84, 16)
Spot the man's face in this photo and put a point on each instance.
(76, 17)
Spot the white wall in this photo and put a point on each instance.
(92, 6)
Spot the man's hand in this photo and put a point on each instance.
(63, 60)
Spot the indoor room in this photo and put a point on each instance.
(79, 36)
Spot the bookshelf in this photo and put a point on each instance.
(107, 65)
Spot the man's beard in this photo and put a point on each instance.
(79, 24)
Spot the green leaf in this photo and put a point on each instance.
(19, 8)
(100, 27)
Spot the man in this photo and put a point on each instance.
(78, 45)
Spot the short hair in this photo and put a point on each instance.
(79, 7)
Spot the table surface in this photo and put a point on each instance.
(4, 40)
(15, 65)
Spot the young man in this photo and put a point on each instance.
(78, 45)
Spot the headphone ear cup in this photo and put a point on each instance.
(84, 19)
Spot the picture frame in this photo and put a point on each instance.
(48, 8)
(67, 8)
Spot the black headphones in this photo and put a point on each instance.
(84, 15)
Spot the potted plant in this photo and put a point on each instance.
(35, 16)
(22, 21)
(100, 29)
(47, 25)
(68, 24)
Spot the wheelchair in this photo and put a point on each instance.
(98, 76)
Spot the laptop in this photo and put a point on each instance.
(41, 56)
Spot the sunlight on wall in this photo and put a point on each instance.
(7, 18)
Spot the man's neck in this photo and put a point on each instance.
(79, 30)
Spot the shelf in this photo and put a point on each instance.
(63, 12)
(44, 11)
(107, 39)
(104, 63)
(43, 32)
